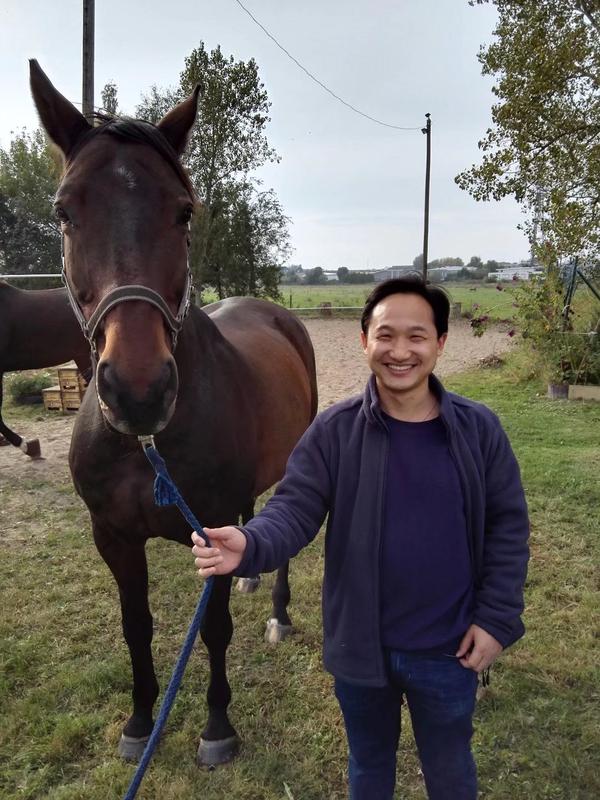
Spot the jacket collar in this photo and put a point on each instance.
(374, 413)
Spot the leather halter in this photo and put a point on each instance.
(123, 294)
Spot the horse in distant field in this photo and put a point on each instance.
(226, 391)
(37, 329)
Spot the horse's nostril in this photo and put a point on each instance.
(105, 380)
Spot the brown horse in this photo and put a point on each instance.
(37, 329)
(226, 391)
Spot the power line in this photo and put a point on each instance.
(317, 81)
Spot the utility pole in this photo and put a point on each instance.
(427, 131)
(87, 94)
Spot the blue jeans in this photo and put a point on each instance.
(441, 699)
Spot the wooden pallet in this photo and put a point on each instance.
(68, 378)
(52, 398)
(71, 399)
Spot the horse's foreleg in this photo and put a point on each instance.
(129, 568)
(31, 448)
(280, 625)
(219, 742)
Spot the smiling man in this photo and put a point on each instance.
(425, 551)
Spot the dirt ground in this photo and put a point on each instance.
(341, 372)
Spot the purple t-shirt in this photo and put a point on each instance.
(427, 596)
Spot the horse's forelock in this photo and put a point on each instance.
(138, 132)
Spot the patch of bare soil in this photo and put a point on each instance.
(341, 369)
(341, 365)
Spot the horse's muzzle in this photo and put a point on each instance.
(137, 408)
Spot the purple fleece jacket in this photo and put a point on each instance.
(339, 467)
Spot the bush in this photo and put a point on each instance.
(566, 350)
(22, 386)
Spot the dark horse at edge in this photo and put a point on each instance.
(37, 329)
(226, 392)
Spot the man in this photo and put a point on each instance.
(425, 551)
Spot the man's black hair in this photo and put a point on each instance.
(411, 284)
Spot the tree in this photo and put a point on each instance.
(227, 141)
(475, 262)
(544, 146)
(315, 276)
(29, 231)
(250, 241)
(446, 261)
(342, 274)
(109, 98)
(418, 262)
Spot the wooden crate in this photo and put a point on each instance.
(52, 398)
(71, 399)
(68, 378)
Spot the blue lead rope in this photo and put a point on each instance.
(165, 494)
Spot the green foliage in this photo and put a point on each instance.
(29, 232)
(315, 276)
(248, 243)
(23, 385)
(109, 98)
(445, 261)
(355, 277)
(227, 142)
(544, 146)
(565, 347)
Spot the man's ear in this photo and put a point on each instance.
(442, 343)
(363, 340)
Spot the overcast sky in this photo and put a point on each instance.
(353, 189)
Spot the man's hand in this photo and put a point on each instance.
(478, 649)
(225, 556)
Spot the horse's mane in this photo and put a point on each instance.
(137, 131)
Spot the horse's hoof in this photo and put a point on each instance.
(248, 585)
(218, 751)
(276, 632)
(33, 449)
(132, 747)
(4, 441)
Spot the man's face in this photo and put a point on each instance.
(401, 344)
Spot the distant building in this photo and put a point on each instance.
(515, 271)
(394, 272)
(446, 273)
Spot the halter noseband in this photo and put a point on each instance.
(124, 294)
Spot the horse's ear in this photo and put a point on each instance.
(177, 124)
(63, 123)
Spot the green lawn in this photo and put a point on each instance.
(64, 671)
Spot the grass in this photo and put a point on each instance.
(65, 677)
(497, 304)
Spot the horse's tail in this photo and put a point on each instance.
(30, 448)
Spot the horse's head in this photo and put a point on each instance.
(124, 203)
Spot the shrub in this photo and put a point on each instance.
(566, 348)
(24, 386)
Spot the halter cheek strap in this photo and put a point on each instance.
(124, 294)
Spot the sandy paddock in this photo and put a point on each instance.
(341, 372)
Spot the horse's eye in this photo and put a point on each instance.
(61, 214)
(186, 215)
